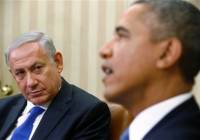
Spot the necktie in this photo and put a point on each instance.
(125, 135)
(24, 130)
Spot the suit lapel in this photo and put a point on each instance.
(178, 113)
(55, 112)
(11, 119)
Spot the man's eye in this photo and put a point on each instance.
(19, 75)
(119, 36)
(38, 69)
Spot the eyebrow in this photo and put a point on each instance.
(36, 63)
(119, 29)
(31, 66)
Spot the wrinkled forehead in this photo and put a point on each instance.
(26, 48)
(25, 51)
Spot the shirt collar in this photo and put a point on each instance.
(30, 105)
(148, 118)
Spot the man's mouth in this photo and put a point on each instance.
(107, 70)
(35, 93)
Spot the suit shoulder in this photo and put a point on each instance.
(84, 100)
(8, 102)
(11, 99)
(83, 95)
(79, 98)
(181, 123)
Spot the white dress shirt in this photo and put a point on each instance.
(148, 118)
(24, 116)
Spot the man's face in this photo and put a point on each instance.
(37, 76)
(129, 58)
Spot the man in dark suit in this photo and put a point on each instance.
(150, 65)
(68, 112)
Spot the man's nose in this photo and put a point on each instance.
(106, 50)
(31, 80)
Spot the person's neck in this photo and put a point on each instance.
(158, 91)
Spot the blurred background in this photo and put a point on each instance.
(78, 28)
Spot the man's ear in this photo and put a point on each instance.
(170, 52)
(59, 61)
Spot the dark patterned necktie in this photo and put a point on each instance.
(24, 130)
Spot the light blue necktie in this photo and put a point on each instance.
(125, 135)
(24, 130)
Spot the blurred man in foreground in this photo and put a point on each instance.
(150, 65)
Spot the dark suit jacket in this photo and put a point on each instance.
(183, 123)
(72, 115)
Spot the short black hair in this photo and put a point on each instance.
(180, 19)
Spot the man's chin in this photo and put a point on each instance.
(38, 101)
(110, 96)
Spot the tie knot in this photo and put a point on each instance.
(35, 111)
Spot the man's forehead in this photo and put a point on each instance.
(27, 65)
(25, 50)
(136, 9)
(138, 13)
(26, 55)
(133, 14)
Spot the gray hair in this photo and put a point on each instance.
(29, 37)
(180, 19)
